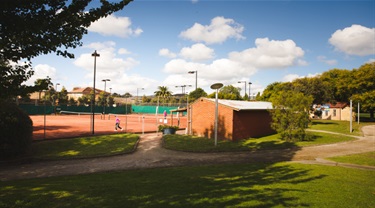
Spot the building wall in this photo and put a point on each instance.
(233, 125)
(252, 124)
(345, 114)
(203, 120)
(338, 114)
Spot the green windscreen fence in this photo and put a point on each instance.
(126, 109)
(141, 109)
(41, 109)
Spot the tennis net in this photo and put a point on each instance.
(75, 113)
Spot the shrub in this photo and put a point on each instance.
(162, 127)
(16, 129)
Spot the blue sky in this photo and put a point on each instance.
(155, 43)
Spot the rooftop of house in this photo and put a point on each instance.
(85, 89)
(338, 105)
(244, 105)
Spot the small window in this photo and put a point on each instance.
(334, 112)
(326, 112)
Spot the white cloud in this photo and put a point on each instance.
(270, 54)
(197, 52)
(292, 77)
(324, 59)
(114, 26)
(108, 65)
(41, 71)
(237, 66)
(370, 61)
(218, 31)
(123, 51)
(166, 53)
(355, 40)
(221, 70)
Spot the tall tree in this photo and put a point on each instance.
(337, 80)
(199, 92)
(34, 27)
(228, 92)
(363, 87)
(291, 115)
(63, 96)
(313, 86)
(163, 92)
(273, 90)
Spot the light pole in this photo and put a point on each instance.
(56, 86)
(249, 90)
(105, 96)
(95, 54)
(183, 88)
(137, 92)
(55, 99)
(245, 86)
(216, 87)
(196, 78)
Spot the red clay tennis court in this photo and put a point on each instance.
(75, 125)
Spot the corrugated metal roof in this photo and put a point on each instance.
(244, 105)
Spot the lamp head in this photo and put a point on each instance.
(216, 86)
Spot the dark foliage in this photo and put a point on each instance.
(16, 129)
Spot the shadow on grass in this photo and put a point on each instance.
(315, 122)
(49, 127)
(255, 185)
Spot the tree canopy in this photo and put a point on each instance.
(31, 28)
(335, 85)
(291, 115)
(199, 92)
(228, 92)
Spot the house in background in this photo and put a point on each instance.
(236, 119)
(339, 111)
(78, 92)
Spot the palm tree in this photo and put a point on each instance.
(163, 92)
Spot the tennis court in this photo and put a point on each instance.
(80, 124)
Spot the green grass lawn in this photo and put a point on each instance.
(84, 147)
(367, 158)
(339, 126)
(245, 185)
(201, 144)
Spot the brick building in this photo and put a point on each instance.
(236, 119)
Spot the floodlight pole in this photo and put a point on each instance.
(105, 96)
(249, 90)
(196, 78)
(216, 87)
(137, 94)
(245, 86)
(216, 114)
(95, 54)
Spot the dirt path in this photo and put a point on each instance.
(150, 154)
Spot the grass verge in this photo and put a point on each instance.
(367, 158)
(241, 185)
(200, 144)
(342, 127)
(84, 147)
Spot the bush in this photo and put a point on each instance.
(16, 129)
(162, 127)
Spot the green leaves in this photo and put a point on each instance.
(290, 115)
(31, 28)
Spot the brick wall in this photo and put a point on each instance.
(252, 124)
(233, 125)
(203, 120)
